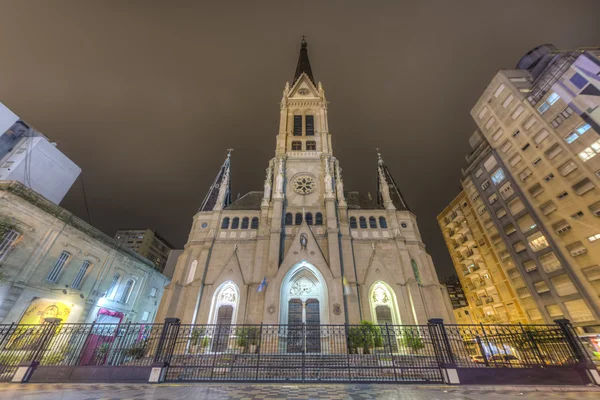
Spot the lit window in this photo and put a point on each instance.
(583, 129)
(498, 176)
(553, 98)
(595, 237)
(537, 241)
(571, 137)
(587, 154)
(543, 108)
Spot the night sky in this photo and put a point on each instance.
(146, 96)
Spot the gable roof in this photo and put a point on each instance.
(249, 201)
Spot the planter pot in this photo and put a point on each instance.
(360, 350)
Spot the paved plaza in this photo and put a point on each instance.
(244, 391)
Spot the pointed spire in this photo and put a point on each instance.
(303, 63)
(219, 194)
(386, 183)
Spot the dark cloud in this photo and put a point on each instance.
(146, 96)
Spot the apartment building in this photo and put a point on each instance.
(147, 243)
(481, 271)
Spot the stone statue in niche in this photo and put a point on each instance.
(303, 241)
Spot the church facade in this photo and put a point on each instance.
(304, 250)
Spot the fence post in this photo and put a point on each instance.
(303, 349)
(26, 367)
(389, 340)
(164, 350)
(440, 341)
(577, 349)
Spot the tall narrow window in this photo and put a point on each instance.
(112, 289)
(310, 125)
(372, 223)
(296, 145)
(245, 222)
(76, 284)
(298, 218)
(415, 268)
(309, 219)
(382, 222)
(363, 222)
(311, 145)
(58, 267)
(192, 272)
(225, 223)
(235, 223)
(288, 219)
(127, 292)
(353, 223)
(297, 125)
(8, 239)
(254, 223)
(318, 219)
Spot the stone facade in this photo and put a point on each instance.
(55, 265)
(303, 249)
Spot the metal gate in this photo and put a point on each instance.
(305, 353)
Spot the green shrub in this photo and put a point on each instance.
(10, 359)
(136, 351)
(412, 341)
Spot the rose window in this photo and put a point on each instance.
(304, 184)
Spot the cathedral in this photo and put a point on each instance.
(304, 250)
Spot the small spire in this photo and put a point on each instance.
(303, 65)
(384, 177)
(379, 159)
(229, 152)
(219, 193)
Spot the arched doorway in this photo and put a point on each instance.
(303, 306)
(384, 311)
(223, 313)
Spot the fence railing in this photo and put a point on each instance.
(292, 352)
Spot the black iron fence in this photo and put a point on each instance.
(367, 352)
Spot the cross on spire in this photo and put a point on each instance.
(229, 152)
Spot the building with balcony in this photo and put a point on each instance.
(147, 243)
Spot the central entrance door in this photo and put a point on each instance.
(223, 328)
(304, 321)
(384, 317)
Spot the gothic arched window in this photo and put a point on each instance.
(318, 219)
(310, 125)
(225, 223)
(363, 223)
(288, 219)
(191, 272)
(353, 223)
(297, 125)
(415, 268)
(372, 223)
(235, 223)
(245, 222)
(311, 145)
(298, 218)
(254, 223)
(382, 222)
(309, 219)
(296, 145)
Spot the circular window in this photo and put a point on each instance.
(303, 92)
(304, 184)
(204, 225)
(404, 225)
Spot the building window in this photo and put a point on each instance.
(498, 176)
(372, 223)
(595, 237)
(578, 80)
(8, 240)
(296, 145)
(590, 152)
(571, 137)
(353, 223)
(145, 316)
(362, 222)
(415, 269)
(549, 177)
(309, 219)
(127, 292)
(235, 224)
(311, 145)
(254, 223)
(485, 185)
(553, 98)
(153, 292)
(298, 218)
(58, 267)
(382, 222)
(76, 284)
(245, 222)
(404, 225)
(112, 289)
(537, 161)
(562, 195)
(318, 219)
(310, 125)
(577, 215)
(297, 125)
(288, 218)
(192, 272)
(537, 241)
(499, 90)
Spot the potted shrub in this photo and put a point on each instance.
(356, 339)
(136, 351)
(242, 339)
(204, 344)
(253, 335)
(371, 336)
(413, 342)
(197, 337)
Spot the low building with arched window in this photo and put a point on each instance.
(314, 253)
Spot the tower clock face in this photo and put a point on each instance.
(304, 184)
